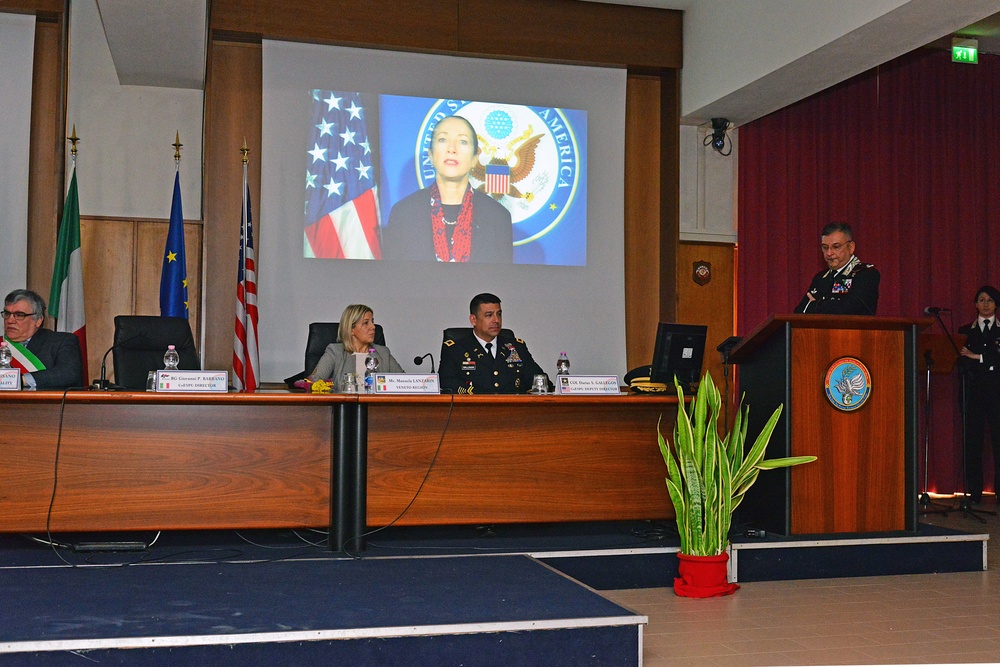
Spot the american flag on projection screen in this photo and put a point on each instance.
(341, 208)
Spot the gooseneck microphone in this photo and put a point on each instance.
(420, 360)
(933, 310)
(103, 384)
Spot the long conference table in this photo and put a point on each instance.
(122, 461)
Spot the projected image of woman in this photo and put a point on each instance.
(450, 221)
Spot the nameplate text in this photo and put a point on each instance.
(10, 379)
(192, 381)
(407, 383)
(587, 384)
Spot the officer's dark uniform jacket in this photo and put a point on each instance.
(853, 290)
(467, 368)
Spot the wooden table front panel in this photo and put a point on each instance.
(858, 482)
(146, 466)
(517, 459)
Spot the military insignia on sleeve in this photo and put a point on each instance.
(848, 384)
(449, 343)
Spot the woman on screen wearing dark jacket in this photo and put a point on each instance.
(450, 221)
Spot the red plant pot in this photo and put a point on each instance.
(703, 576)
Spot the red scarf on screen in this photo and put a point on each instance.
(461, 237)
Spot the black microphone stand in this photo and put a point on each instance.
(420, 360)
(964, 504)
(103, 384)
(926, 505)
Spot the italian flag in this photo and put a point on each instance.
(66, 297)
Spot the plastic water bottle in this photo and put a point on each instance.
(371, 366)
(5, 355)
(171, 359)
(562, 365)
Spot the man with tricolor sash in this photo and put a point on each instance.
(47, 359)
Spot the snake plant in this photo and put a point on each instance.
(708, 475)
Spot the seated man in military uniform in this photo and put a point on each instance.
(487, 360)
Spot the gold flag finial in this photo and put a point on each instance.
(244, 150)
(74, 140)
(177, 147)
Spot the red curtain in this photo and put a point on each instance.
(904, 153)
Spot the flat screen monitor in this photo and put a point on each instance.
(678, 352)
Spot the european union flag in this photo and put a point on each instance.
(173, 278)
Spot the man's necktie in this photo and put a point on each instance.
(489, 349)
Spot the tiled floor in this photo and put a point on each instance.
(913, 619)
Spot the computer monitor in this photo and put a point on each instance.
(678, 352)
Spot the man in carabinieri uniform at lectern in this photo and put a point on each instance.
(848, 286)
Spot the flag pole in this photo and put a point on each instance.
(245, 217)
(246, 357)
(73, 140)
(173, 275)
(66, 299)
(177, 151)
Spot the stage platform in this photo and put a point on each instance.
(488, 595)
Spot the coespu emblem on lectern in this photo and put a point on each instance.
(848, 384)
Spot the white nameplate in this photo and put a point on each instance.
(587, 384)
(407, 383)
(10, 379)
(192, 381)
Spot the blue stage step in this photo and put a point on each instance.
(494, 610)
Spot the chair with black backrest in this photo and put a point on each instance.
(141, 340)
(322, 334)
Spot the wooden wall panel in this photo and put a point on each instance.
(151, 237)
(642, 218)
(710, 304)
(48, 143)
(420, 25)
(47, 8)
(670, 194)
(108, 246)
(122, 260)
(558, 30)
(232, 113)
(572, 31)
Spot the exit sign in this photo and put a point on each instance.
(965, 51)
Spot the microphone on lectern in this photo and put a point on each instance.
(420, 360)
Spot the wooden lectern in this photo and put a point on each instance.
(865, 477)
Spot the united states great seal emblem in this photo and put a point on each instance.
(848, 384)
